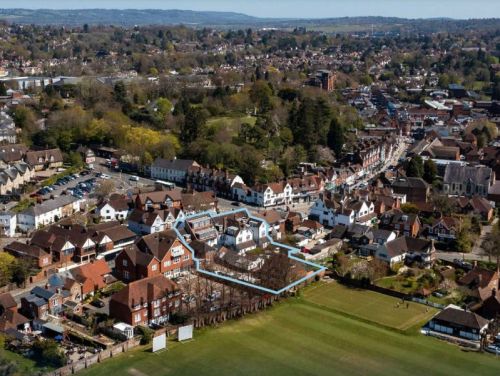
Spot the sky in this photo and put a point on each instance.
(292, 8)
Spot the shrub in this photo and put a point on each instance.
(146, 335)
(47, 353)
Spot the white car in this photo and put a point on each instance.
(134, 178)
(105, 177)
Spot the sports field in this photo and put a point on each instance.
(297, 337)
(369, 305)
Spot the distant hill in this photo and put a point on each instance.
(126, 17)
(130, 17)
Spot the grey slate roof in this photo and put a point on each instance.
(174, 164)
(49, 205)
(480, 175)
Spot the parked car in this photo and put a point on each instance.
(97, 303)
(495, 349)
(134, 178)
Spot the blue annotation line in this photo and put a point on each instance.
(291, 252)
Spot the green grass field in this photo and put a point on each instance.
(369, 305)
(229, 125)
(298, 337)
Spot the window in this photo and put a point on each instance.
(186, 257)
(154, 267)
(137, 317)
(177, 260)
(125, 263)
(157, 312)
(156, 303)
(126, 274)
(167, 263)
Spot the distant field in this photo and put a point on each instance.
(229, 124)
(368, 305)
(299, 338)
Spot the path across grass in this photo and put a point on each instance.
(297, 337)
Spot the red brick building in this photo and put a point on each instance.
(147, 301)
(132, 264)
(175, 259)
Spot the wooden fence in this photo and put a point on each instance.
(111, 352)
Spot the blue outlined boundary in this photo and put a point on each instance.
(291, 252)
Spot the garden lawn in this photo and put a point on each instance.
(229, 125)
(24, 365)
(299, 338)
(368, 305)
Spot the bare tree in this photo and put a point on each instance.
(105, 189)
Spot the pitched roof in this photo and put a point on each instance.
(175, 164)
(139, 258)
(477, 174)
(49, 155)
(160, 196)
(406, 244)
(480, 205)
(479, 276)
(7, 301)
(118, 233)
(11, 320)
(270, 216)
(25, 250)
(198, 201)
(94, 271)
(449, 222)
(462, 318)
(158, 244)
(201, 249)
(50, 205)
(410, 182)
(145, 290)
(118, 204)
(144, 217)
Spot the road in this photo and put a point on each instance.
(400, 151)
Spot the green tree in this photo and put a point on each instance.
(336, 138)
(164, 106)
(3, 89)
(249, 165)
(260, 95)
(410, 208)
(430, 171)
(464, 238)
(415, 167)
(443, 204)
(7, 262)
(75, 159)
(194, 120)
(46, 352)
